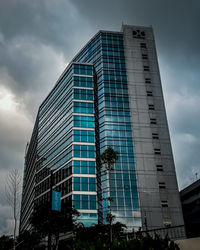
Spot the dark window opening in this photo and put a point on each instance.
(164, 203)
(162, 185)
(147, 80)
(149, 93)
(153, 121)
(157, 151)
(146, 68)
(143, 45)
(144, 56)
(151, 107)
(155, 136)
(159, 167)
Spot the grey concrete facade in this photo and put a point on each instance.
(156, 178)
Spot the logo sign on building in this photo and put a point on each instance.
(56, 201)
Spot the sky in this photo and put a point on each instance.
(39, 38)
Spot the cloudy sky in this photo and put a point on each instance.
(38, 39)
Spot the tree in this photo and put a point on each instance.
(6, 242)
(109, 157)
(12, 191)
(48, 222)
(96, 237)
(28, 240)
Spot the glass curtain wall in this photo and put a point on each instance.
(106, 52)
(66, 143)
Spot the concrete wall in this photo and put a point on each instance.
(153, 214)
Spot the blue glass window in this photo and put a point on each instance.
(84, 151)
(83, 94)
(83, 69)
(77, 203)
(84, 184)
(51, 97)
(83, 107)
(85, 201)
(77, 185)
(92, 184)
(93, 202)
(84, 136)
(83, 81)
(84, 167)
(84, 121)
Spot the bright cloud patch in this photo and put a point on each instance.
(7, 102)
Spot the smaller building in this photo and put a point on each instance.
(190, 199)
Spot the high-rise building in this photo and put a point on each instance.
(109, 95)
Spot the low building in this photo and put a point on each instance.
(190, 199)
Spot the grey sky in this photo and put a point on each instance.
(38, 39)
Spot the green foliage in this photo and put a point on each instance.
(51, 223)
(28, 240)
(109, 157)
(110, 218)
(46, 221)
(97, 237)
(6, 242)
(40, 219)
(118, 230)
(94, 238)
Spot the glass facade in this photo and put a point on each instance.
(106, 53)
(66, 142)
(87, 111)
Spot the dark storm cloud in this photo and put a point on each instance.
(29, 32)
(49, 21)
(13, 129)
(38, 38)
(5, 220)
(23, 66)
